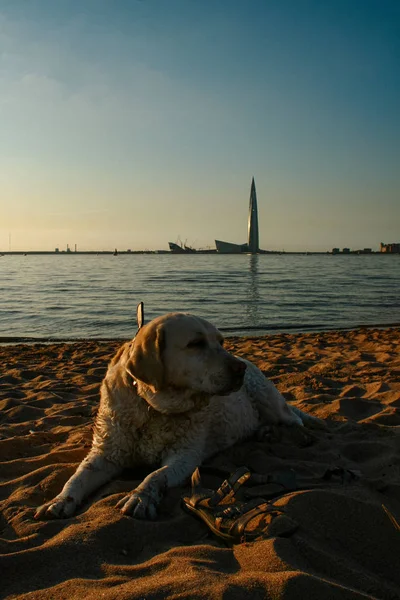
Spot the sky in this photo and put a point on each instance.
(131, 123)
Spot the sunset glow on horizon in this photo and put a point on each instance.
(130, 124)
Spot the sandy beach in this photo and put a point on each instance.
(344, 499)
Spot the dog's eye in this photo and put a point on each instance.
(199, 343)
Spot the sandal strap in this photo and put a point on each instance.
(197, 498)
(230, 486)
(226, 489)
(198, 493)
(250, 510)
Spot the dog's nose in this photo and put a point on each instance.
(238, 367)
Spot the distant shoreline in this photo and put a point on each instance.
(245, 332)
(169, 253)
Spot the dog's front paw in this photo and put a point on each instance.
(140, 505)
(60, 507)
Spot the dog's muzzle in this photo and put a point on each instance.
(237, 369)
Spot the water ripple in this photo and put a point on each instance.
(95, 296)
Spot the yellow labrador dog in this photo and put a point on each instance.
(173, 396)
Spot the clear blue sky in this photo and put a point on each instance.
(127, 123)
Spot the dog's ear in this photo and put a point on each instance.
(146, 362)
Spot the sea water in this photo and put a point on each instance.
(69, 296)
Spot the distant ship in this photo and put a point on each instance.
(180, 248)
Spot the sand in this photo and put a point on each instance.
(345, 503)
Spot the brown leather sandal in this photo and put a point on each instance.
(233, 521)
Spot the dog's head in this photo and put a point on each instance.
(184, 352)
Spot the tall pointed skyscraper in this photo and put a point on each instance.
(253, 221)
(252, 246)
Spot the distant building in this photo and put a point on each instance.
(348, 251)
(252, 245)
(252, 226)
(391, 248)
(229, 248)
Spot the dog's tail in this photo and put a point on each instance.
(140, 315)
(307, 419)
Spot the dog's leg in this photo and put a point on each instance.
(309, 420)
(143, 501)
(271, 405)
(93, 472)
